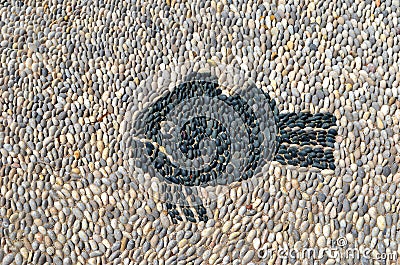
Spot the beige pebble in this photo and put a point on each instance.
(379, 123)
(207, 232)
(227, 226)
(381, 222)
(290, 45)
(396, 178)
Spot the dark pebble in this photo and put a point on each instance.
(317, 165)
(386, 171)
(321, 197)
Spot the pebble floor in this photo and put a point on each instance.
(71, 69)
